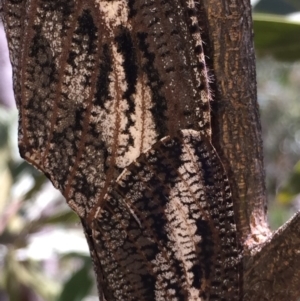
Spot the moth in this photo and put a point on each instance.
(113, 100)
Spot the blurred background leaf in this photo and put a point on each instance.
(277, 36)
(279, 7)
(79, 284)
(291, 188)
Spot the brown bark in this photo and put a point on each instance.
(272, 269)
(270, 263)
(236, 123)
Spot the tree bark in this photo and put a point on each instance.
(270, 261)
(236, 124)
(271, 270)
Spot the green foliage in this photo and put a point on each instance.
(277, 36)
(291, 188)
(277, 215)
(280, 7)
(79, 284)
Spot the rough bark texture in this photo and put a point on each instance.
(236, 122)
(272, 269)
(271, 262)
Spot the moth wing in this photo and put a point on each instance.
(166, 226)
(96, 85)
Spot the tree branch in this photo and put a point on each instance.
(272, 269)
(236, 121)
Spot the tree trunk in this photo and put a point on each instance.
(236, 122)
(149, 238)
(270, 261)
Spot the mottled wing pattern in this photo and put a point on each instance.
(99, 82)
(166, 230)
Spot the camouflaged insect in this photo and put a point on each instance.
(114, 108)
